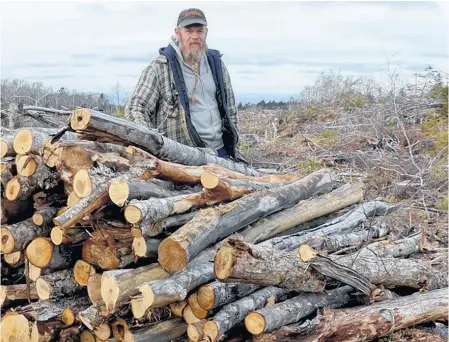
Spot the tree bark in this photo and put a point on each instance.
(7, 171)
(293, 309)
(213, 224)
(145, 248)
(6, 144)
(235, 312)
(158, 332)
(90, 121)
(306, 210)
(368, 322)
(12, 293)
(342, 224)
(70, 236)
(170, 223)
(56, 285)
(94, 315)
(118, 286)
(17, 236)
(217, 294)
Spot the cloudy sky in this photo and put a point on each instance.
(272, 49)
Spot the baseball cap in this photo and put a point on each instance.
(191, 16)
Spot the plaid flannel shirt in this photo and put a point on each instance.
(155, 102)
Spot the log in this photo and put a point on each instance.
(73, 215)
(213, 224)
(27, 164)
(188, 315)
(45, 331)
(145, 248)
(70, 236)
(158, 332)
(235, 312)
(294, 309)
(237, 261)
(342, 224)
(177, 308)
(64, 309)
(84, 181)
(195, 331)
(365, 323)
(6, 144)
(14, 327)
(336, 242)
(44, 217)
(94, 315)
(197, 310)
(217, 294)
(306, 210)
(90, 121)
(118, 286)
(12, 293)
(14, 259)
(148, 212)
(56, 285)
(17, 236)
(71, 334)
(20, 187)
(42, 253)
(123, 190)
(29, 140)
(175, 288)
(94, 288)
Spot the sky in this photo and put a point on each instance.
(271, 49)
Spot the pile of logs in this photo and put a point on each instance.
(110, 231)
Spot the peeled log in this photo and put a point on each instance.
(56, 285)
(11, 293)
(118, 286)
(17, 236)
(293, 309)
(44, 217)
(212, 224)
(365, 323)
(306, 210)
(43, 253)
(233, 313)
(124, 190)
(217, 294)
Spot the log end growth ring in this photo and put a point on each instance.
(255, 323)
(224, 261)
(7, 241)
(23, 141)
(172, 256)
(80, 119)
(39, 252)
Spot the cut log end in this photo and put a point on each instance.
(12, 189)
(109, 291)
(82, 271)
(119, 192)
(209, 180)
(193, 333)
(26, 166)
(23, 141)
(87, 336)
(172, 256)
(224, 260)
(82, 184)
(139, 247)
(68, 317)
(197, 310)
(80, 119)
(13, 258)
(210, 330)
(94, 288)
(189, 316)
(103, 331)
(2, 294)
(43, 289)
(7, 241)
(136, 232)
(3, 148)
(38, 219)
(15, 328)
(57, 235)
(255, 323)
(306, 253)
(206, 297)
(3, 167)
(39, 252)
(177, 308)
(73, 199)
(140, 305)
(120, 329)
(133, 214)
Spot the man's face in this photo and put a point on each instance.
(192, 40)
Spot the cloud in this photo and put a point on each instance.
(270, 47)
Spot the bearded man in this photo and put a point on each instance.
(186, 92)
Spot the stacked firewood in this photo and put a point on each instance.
(110, 231)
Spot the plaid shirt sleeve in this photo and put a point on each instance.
(143, 101)
(232, 108)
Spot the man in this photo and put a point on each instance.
(186, 92)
